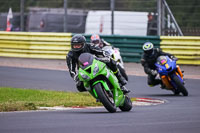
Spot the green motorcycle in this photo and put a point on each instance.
(102, 84)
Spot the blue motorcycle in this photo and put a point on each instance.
(171, 75)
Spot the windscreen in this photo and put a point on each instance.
(162, 60)
(85, 60)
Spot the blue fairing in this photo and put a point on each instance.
(163, 70)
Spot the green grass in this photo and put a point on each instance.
(15, 99)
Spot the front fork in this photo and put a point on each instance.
(117, 95)
(167, 79)
(179, 71)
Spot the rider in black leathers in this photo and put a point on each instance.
(78, 46)
(148, 61)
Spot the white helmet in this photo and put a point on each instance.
(148, 48)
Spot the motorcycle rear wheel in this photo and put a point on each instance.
(104, 98)
(180, 86)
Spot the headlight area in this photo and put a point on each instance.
(96, 69)
(85, 77)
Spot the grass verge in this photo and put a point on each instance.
(16, 99)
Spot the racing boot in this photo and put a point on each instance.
(125, 90)
(162, 86)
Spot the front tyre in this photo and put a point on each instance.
(104, 98)
(180, 86)
(127, 104)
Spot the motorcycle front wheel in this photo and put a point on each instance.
(180, 86)
(104, 98)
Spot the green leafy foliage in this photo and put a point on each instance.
(186, 12)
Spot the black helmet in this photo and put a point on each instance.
(78, 43)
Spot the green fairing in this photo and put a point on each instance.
(118, 95)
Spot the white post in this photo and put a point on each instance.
(159, 17)
(112, 7)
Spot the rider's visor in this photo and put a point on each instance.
(95, 41)
(77, 45)
(149, 52)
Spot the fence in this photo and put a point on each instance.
(34, 45)
(130, 46)
(56, 46)
(39, 14)
(187, 49)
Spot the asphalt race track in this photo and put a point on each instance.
(177, 115)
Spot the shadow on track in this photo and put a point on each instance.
(83, 111)
(164, 95)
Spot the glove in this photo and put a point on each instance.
(173, 58)
(106, 54)
(78, 84)
(154, 72)
(104, 59)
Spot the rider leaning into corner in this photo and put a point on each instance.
(79, 46)
(148, 60)
(101, 43)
